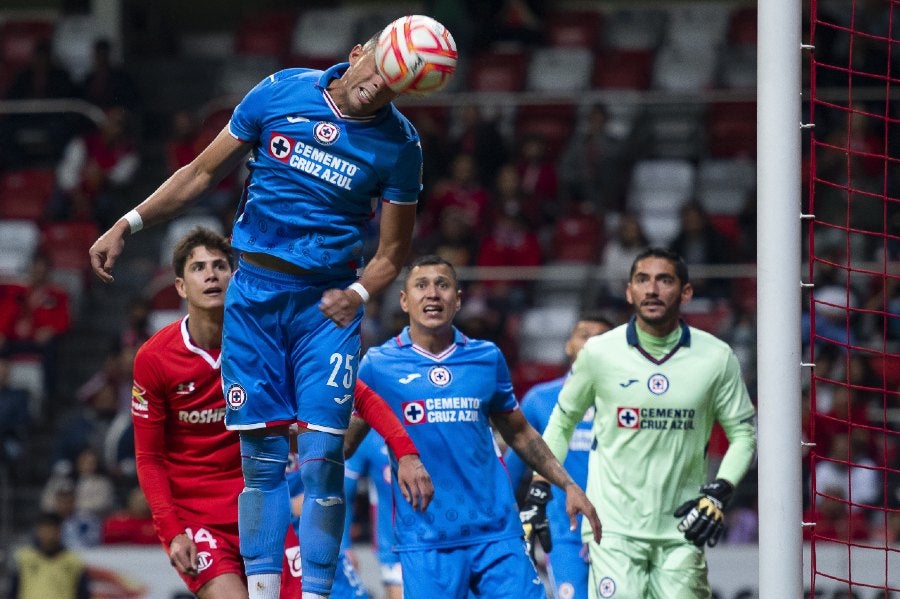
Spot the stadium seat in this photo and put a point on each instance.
(18, 241)
(577, 238)
(498, 72)
(25, 193)
(676, 130)
(67, 243)
(240, 73)
(526, 375)
(560, 69)
(723, 184)
(661, 185)
(731, 130)
(180, 227)
(707, 316)
(73, 281)
(18, 37)
(573, 28)
(553, 122)
(623, 69)
(315, 33)
(701, 26)
(683, 69)
(635, 29)
(544, 331)
(736, 68)
(73, 42)
(157, 319)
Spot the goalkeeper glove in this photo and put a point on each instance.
(534, 516)
(703, 518)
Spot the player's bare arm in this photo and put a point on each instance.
(395, 238)
(530, 446)
(183, 554)
(356, 432)
(414, 481)
(184, 186)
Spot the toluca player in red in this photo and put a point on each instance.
(188, 464)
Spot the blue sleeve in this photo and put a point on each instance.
(504, 399)
(245, 123)
(405, 182)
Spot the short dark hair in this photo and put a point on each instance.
(681, 269)
(433, 260)
(595, 316)
(48, 519)
(200, 236)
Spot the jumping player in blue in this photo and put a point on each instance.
(547, 524)
(370, 460)
(324, 147)
(448, 390)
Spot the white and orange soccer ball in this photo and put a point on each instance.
(415, 55)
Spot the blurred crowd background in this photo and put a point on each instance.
(572, 135)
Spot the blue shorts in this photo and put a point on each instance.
(569, 562)
(283, 361)
(490, 569)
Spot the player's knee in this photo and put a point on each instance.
(263, 518)
(263, 461)
(321, 457)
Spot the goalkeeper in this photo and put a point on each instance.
(657, 387)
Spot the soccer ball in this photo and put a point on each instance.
(415, 55)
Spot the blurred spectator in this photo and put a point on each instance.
(593, 165)
(34, 315)
(95, 169)
(29, 137)
(15, 421)
(84, 425)
(698, 242)
(627, 241)
(480, 138)
(80, 528)
(436, 150)
(834, 520)
(835, 316)
(137, 324)
(507, 198)
(460, 190)
(510, 242)
(186, 138)
(133, 525)
(94, 490)
(115, 373)
(851, 470)
(107, 84)
(47, 568)
(539, 179)
(454, 240)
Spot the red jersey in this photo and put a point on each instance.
(188, 463)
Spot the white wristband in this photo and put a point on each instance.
(134, 220)
(358, 288)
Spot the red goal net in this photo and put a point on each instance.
(851, 319)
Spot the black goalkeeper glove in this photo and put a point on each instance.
(534, 516)
(704, 517)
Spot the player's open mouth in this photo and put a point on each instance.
(213, 291)
(364, 95)
(433, 309)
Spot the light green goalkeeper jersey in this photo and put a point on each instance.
(655, 401)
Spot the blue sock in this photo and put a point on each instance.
(322, 522)
(264, 507)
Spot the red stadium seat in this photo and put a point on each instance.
(886, 367)
(267, 34)
(67, 243)
(499, 72)
(553, 122)
(623, 69)
(526, 375)
(25, 193)
(731, 130)
(742, 29)
(18, 39)
(573, 28)
(577, 238)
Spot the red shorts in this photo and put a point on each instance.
(218, 553)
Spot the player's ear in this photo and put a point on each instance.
(687, 292)
(355, 53)
(179, 287)
(628, 297)
(403, 301)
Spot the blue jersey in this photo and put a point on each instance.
(444, 402)
(537, 405)
(371, 461)
(315, 174)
